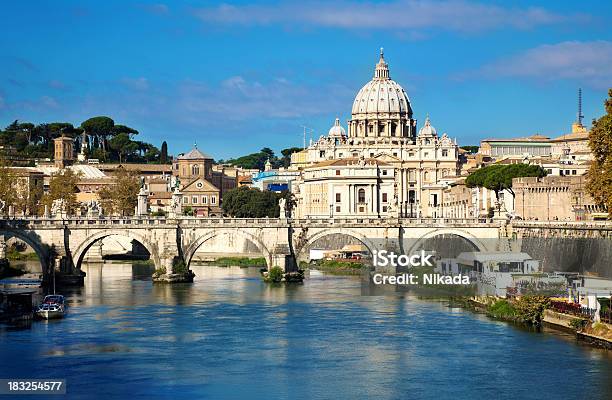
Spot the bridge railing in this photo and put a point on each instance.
(220, 221)
(599, 225)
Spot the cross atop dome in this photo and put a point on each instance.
(382, 69)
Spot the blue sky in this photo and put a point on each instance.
(236, 76)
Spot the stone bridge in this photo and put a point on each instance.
(63, 243)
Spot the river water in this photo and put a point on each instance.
(230, 336)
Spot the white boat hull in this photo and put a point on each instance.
(50, 314)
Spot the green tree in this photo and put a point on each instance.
(286, 159)
(599, 178)
(498, 177)
(7, 188)
(100, 128)
(470, 149)
(122, 145)
(121, 197)
(163, 158)
(63, 185)
(244, 202)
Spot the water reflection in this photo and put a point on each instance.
(229, 335)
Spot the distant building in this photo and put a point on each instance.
(536, 145)
(561, 198)
(381, 166)
(63, 151)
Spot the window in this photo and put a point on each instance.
(195, 170)
(322, 153)
(338, 197)
(337, 208)
(185, 200)
(204, 199)
(199, 185)
(426, 154)
(384, 208)
(337, 172)
(444, 153)
(361, 196)
(384, 172)
(213, 199)
(194, 200)
(573, 172)
(384, 197)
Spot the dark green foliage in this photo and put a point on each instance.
(498, 177)
(106, 141)
(599, 184)
(163, 158)
(244, 202)
(275, 275)
(470, 149)
(258, 160)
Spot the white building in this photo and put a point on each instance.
(382, 167)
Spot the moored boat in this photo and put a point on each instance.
(52, 307)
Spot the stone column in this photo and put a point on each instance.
(373, 200)
(2, 247)
(142, 208)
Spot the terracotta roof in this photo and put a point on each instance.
(532, 138)
(571, 136)
(136, 167)
(160, 195)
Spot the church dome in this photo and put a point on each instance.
(337, 130)
(381, 94)
(427, 129)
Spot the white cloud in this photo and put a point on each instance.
(159, 9)
(455, 15)
(136, 83)
(587, 62)
(238, 99)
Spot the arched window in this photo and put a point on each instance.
(361, 196)
(195, 170)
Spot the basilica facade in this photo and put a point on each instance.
(383, 166)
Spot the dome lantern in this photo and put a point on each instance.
(382, 68)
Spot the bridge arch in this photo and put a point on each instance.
(476, 242)
(192, 248)
(335, 231)
(42, 250)
(79, 254)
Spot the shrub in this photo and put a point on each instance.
(159, 272)
(275, 275)
(502, 309)
(577, 323)
(179, 266)
(531, 308)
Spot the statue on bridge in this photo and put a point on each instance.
(93, 208)
(282, 205)
(58, 208)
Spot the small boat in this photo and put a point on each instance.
(52, 307)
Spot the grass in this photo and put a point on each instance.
(14, 255)
(502, 309)
(336, 267)
(239, 261)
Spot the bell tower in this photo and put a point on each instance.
(64, 151)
